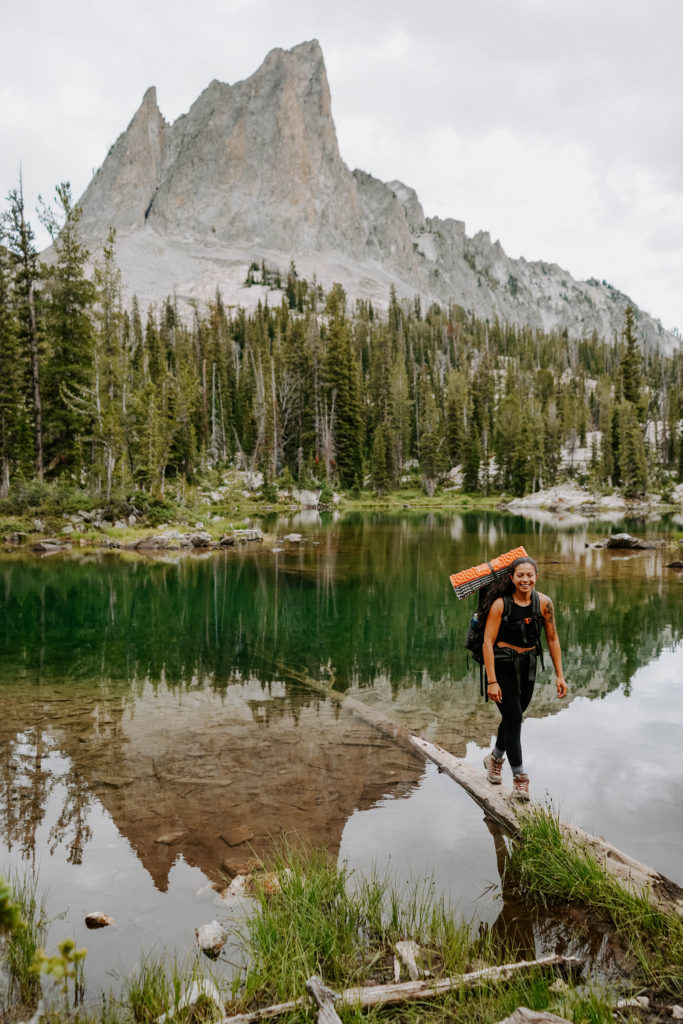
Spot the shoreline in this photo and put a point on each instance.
(96, 530)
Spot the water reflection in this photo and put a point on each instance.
(157, 704)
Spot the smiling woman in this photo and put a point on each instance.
(516, 613)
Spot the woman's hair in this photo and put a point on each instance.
(502, 586)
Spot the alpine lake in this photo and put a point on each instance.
(158, 733)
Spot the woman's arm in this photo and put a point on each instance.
(490, 634)
(548, 614)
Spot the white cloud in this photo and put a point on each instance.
(554, 126)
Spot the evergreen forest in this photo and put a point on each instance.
(311, 390)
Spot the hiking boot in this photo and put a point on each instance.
(494, 769)
(520, 787)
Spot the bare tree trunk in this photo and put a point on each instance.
(4, 477)
(35, 372)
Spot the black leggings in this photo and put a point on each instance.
(516, 675)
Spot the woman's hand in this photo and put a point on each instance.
(561, 687)
(493, 690)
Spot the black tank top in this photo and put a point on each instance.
(519, 627)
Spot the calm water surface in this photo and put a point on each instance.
(155, 733)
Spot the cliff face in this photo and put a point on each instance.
(253, 171)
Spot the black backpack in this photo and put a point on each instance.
(474, 638)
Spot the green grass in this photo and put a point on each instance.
(329, 921)
(23, 941)
(547, 867)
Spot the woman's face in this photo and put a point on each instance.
(524, 577)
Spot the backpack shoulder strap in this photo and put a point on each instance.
(507, 606)
(538, 621)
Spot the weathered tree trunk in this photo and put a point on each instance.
(403, 992)
(35, 373)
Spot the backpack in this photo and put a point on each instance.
(474, 638)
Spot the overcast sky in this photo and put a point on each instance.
(556, 125)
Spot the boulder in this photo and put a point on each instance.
(98, 920)
(309, 499)
(151, 543)
(49, 544)
(201, 988)
(624, 541)
(675, 565)
(227, 540)
(202, 539)
(211, 938)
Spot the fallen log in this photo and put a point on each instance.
(389, 995)
(497, 801)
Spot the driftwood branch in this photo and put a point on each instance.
(387, 995)
(523, 1015)
(409, 951)
(324, 998)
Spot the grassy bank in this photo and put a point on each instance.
(325, 921)
(36, 510)
(547, 868)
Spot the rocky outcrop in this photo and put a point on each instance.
(253, 171)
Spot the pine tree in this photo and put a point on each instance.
(631, 365)
(471, 460)
(12, 410)
(69, 297)
(25, 277)
(633, 461)
(343, 387)
(379, 466)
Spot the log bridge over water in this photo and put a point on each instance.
(497, 803)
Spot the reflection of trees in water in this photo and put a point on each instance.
(371, 600)
(32, 781)
(527, 932)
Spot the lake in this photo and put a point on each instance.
(157, 732)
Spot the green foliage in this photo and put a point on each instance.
(551, 868)
(10, 916)
(25, 935)
(118, 399)
(64, 966)
(328, 922)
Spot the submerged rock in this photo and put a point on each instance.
(169, 838)
(237, 835)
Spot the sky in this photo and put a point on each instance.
(555, 125)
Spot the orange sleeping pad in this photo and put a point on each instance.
(469, 580)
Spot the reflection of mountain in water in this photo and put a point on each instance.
(217, 779)
(170, 690)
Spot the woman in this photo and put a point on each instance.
(510, 646)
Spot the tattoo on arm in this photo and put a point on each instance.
(550, 620)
